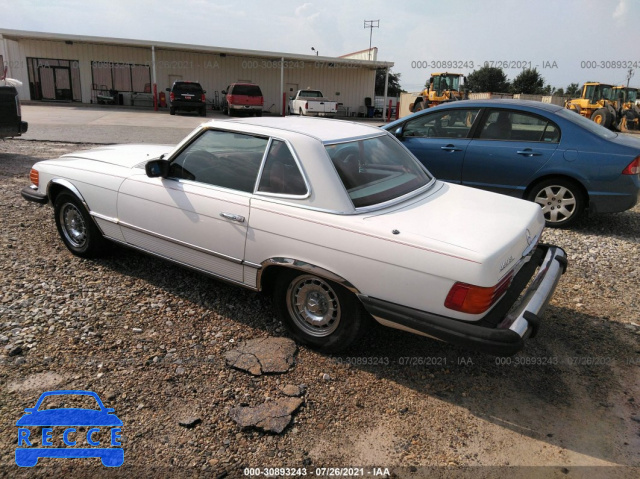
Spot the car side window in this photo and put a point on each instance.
(281, 174)
(518, 126)
(221, 158)
(443, 124)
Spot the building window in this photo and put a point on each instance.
(54, 79)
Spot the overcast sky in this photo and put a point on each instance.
(567, 40)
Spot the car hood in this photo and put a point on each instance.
(128, 156)
(488, 230)
(69, 417)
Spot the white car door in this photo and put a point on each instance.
(198, 215)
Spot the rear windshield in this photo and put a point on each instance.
(248, 90)
(311, 94)
(592, 126)
(376, 170)
(188, 87)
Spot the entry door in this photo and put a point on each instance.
(62, 78)
(290, 89)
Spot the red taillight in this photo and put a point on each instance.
(34, 176)
(633, 168)
(172, 97)
(471, 299)
(204, 100)
(306, 106)
(230, 99)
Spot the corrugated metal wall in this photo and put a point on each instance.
(346, 83)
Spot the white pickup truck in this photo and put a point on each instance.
(311, 102)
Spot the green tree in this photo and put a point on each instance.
(559, 92)
(573, 90)
(529, 82)
(394, 88)
(488, 79)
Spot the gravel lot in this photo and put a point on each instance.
(150, 339)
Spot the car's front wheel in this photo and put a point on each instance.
(562, 201)
(318, 312)
(76, 227)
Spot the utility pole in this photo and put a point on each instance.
(371, 24)
(629, 75)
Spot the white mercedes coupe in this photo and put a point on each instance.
(336, 220)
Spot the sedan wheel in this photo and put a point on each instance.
(318, 312)
(561, 201)
(76, 227)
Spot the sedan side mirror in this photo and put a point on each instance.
(398, 132)
(157, 168)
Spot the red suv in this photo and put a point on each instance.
(242, 97)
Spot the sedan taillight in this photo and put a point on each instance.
(471, 299)
(633, 168)
(34, 176)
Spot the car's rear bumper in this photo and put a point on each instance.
(30, 194)
(512, 326)
(246, 107)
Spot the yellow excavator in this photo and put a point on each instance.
(596, 102)
(443, 87)
(627, 108)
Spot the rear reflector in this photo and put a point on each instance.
(34, 176)
(633, 168)
(471, 299)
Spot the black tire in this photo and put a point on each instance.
(301, 113)
(562, 201)
(339, 318)
(602, 117)
(172, 110)
(230, 111)
(259, 113)
(203, 111)
(79, 233)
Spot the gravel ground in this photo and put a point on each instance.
(150, 339)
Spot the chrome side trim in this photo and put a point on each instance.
(252, 265)
(105, 218)
(306, 267)
(188, 266)
(179, 242)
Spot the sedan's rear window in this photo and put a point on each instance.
(376, 170)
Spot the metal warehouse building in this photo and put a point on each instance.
(74, 68)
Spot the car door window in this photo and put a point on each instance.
(518, 126)
(455, 123)
(281, 174)
(221, 158)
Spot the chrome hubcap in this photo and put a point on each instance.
(313, 305)
(73, 225)
(557, 202)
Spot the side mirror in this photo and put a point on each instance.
(167, 89)
(30, 409)
(224, 92)
(157, 168)
(398, 132)
(204, 91)
(110, 410)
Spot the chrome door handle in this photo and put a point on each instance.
(528, 152)
(232, 217)
(450, 148)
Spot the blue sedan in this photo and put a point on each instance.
(531, 150)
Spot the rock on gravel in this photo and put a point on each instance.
(263, 356)
(271, 416)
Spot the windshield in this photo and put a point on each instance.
(632, 96)
(376, 170)
(446, 82)
(587, 124)
(311, 94)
